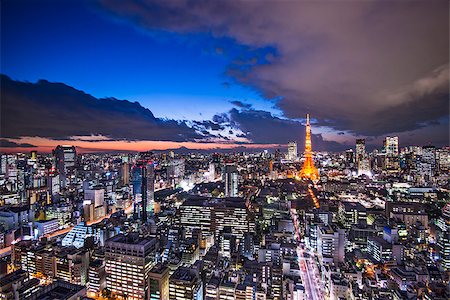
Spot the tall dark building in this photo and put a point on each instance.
(65, 161)
(230, 175)
(143, 176)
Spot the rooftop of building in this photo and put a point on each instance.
(11, 277)
(130, 239)
(58, 290)
(231, 202)
(184, 274)
(380, 241)
(159, 269)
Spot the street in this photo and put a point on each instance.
(309, 272)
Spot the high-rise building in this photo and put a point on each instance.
(185, 284)
(129, 259)
(212, 216)
(292, 151)
(175, 171)
(362, 159)
(231, 179)
(211, 172)
(65, 160)
(125, 171)
(429, 158)
(391, 145)
(97, 276)
(443, 160)
(309, 170)
(391, 153)
(143, 177)
(72, 265)
(360, 150)
(331, 243)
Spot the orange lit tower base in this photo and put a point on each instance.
(309, 171)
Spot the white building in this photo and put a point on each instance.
(292, 151)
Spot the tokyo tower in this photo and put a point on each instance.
(309, 171)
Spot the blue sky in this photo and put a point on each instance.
(79, 44)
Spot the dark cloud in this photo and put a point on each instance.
(353, 65)
(241, 104)
(58, 111)
(262, 127)
(208, 125)
(4, 143)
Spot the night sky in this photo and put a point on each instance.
(141, 75)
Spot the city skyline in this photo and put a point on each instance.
(200, 78)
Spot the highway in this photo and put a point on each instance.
(309, 272)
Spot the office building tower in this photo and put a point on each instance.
(231, 179)
(175, 171)
(212, 172)
(362, 159)
(185, 284)
(379, 249)
(364, 167)
(143, 177)
(392, 162)
(97, 276)
(212, 216)
(429, 158)
(308, 171)
(159, 282)
(125, 171)
(331, 241)
(129, 259)
(65, 161)
(193, 215)
(391, 145)
(95, 196)
(443, 160)
(360, 150)
(292, 151)
(72, 265)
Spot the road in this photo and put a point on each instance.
(309, 272)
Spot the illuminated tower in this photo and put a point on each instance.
(308, 170)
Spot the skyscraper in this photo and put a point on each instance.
(391, 145)
(65, 160)
(309, 170)
(143, 176)
(230, 175)
(391, 150)
(362, 160)
(360, 149)
(292, 151)
(125, 171)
